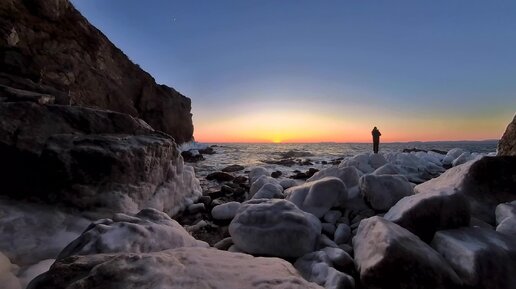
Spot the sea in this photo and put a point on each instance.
(314, 155)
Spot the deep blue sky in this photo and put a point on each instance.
(447, 67)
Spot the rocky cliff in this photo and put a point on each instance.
(507, 144)
(47, 46)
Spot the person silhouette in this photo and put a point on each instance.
(376, 139)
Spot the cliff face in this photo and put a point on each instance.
(47, 46)
(507, 144)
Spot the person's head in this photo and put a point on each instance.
(375, 127)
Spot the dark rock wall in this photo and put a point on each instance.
(49, 47)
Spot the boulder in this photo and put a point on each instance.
(387, 169)
(8, 271)
(219, 177)
(485, 183)
(319, 267)
(349, 175)
(482, 258)
(342, 234)
(148, 231)
(425, 213)
(507, 144)
(506, 218)
(260, 182)
(175, 268)
(318, 197)
(360, 161)
(50, 44)
(383, 191)
(90, 159)
(389, 256)
(256, 173)
(274, 228)
(233, 168)
(332, 216)
(269, 191)
(451, 156)
(225, 211)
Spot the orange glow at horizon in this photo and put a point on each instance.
(303, 127)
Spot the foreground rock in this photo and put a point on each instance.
(425, 213)
(507, 144)
(90, 159)
(148, 231)
(383, 191)
(485, 183)
(177, 268)
(318, 197)
(274, 228)
(390, 257)
(49, 47)
(483, 258)
(506, 218)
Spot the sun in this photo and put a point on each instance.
(276, 140)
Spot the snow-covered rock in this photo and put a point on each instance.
(269, 191)
(148, 231)
(360, 161)
(486, 183)
(274, 228)
(33, 271)
(482, 258)
(383, 191)
(257, 172)
(387, 169)
(288, 183)
(349, 175)
(425, 213)
(463, 158)
(260, 182)
(318, 197)
(173, 269)
(319, 267)
(389, 256)
(226, 211)
(506, 218)
(451, 156)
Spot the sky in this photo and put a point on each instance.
(321, 71)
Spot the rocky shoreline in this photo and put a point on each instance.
(95, 192)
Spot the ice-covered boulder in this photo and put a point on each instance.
(383, 191)
(482, 258)
(349, 175)
(257, 172)
(318, 197)
(274, 228)
(226, 211)
(359, 161)
(506, 218)
(148, 231)
(320, 267)
(425, 213)
(415, 169)
(389, 256)
(269, 191)
(260, 182)
(451, 156)
(387, 169)
(463, 158)
(485, 183)
(172, 269)
(342, 234)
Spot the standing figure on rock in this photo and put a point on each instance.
(376, 139)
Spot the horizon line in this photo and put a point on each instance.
(338, 142)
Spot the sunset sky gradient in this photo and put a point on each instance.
(313, 71)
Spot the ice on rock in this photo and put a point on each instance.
(256, 173)
(8, 279)
(360, 161)
(383, 191)
(288, 183)
(425, 213)
(273, 227)
(319, 267)
(260, 182)
(30, 233)
(387, 169)
(173, 269)
(415, 169)
(269, 191)
(389, 256)
(148, 231)
(349, 175)
(451, 156)
(482, 258)
(33, 271)
(318, 197)
(226, 211)
(342, 234)
(332, 216)
(506, 218)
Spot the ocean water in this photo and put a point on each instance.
(253, 154)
